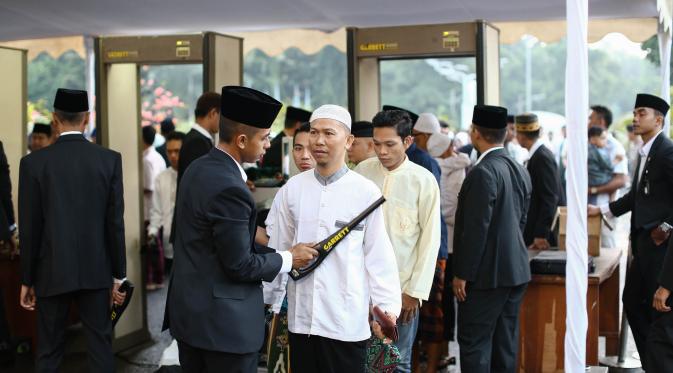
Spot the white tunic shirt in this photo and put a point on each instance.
(163, 203)
(153, 164)
(333, 301)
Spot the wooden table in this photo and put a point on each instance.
(543, 316)
(21, 322)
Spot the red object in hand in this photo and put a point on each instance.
(388, 327)
(659, 236)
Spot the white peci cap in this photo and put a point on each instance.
(427, 123)
(334, 112)
(438, 143)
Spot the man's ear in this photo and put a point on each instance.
(408, 141)
(241, 140)
(349, 141)
(86, 119)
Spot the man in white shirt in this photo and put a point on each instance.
(602, 117)
(153, 164)
(163, 199)
(412, 217)
(328, 309)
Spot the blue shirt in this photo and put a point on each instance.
(422, 158)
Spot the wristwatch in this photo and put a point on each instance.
(665, 227)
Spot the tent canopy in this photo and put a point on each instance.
(28, 19)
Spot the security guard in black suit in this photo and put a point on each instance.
(199, 140)
(71, 210)
(215, 308)
(7, 216)
(544, 176)
(650, 202)
(7, 228)
(490, 260)
(294, 117)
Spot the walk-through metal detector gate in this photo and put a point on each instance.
(13, 98)
(118, 123)
(368, 46)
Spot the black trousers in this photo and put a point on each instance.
(449, 302)
(311, 354)
(94, 311)
(4, 327)
(196, 360)
(639, 288)
(660, 343)
(488, 329)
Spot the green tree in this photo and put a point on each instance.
(46, 75)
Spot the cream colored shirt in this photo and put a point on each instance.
(412, 217)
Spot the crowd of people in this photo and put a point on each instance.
(445, 257)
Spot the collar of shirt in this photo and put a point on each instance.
(331, 178)
(71, 133)
(535, 147)
(244, 176)
(401, 167)
(486, 153)
(148, 151)
(645, 149)
(203, 131)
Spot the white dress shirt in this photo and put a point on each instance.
(244, 176)
(204, 132)
(517, 152)
(163, 203)
(535, 147)
(486, 152)
(153, 164)
(333, 301)
(644, 153)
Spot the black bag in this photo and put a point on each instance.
(553, 262)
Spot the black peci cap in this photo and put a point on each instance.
(248, 106)
(487, 116)
(71, 101)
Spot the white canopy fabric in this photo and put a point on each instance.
(29, 19)
(275, 42)
(576, 107)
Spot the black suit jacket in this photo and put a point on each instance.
(544, 199)
(488, 247)
(272, 158)
(194, 146)
(6, 206)
(215, 299)
(71, 210)
(162, 152)
(648, 210)
(650, 202)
